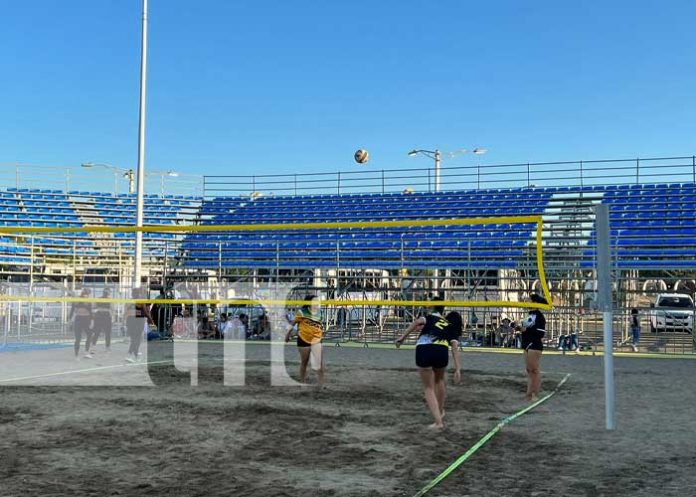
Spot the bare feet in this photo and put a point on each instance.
(442, 415)
(436, 426)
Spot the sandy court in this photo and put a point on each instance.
(362, 436)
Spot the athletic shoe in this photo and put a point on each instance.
(130, 359)
(88, 355)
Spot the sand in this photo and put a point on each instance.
(364, 435)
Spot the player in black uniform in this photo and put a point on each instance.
(102, 321)
(81, 314)
(454, 330)
(534, 330)
(137, 318)
(432, 355)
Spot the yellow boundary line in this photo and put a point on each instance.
(405, 223)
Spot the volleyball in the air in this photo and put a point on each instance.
(361, 156)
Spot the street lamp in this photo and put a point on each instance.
(162, 175)
(436, 155)
(433, 154)
(127, 173)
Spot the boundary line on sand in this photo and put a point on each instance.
(486, 438)
(85, 370)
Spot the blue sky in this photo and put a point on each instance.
(280, 86)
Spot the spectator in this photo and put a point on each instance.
(3, 311)
(568, 342)
(635, 329)
(137, 319)
(184, 326)
(206, 329)
(505, 333)
(102, 321)
(517, 340)
(158, 313)
(245, 331)
(236, 329)
(263, 327)
(81, 314)
(190, 324)
(224, 326)
(178, 326)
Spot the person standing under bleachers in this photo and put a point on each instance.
(81, 316)
(635, 329)
(102, 321)
(137, 319)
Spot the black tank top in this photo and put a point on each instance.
(102, 307)
(434, 330)
(536, 329)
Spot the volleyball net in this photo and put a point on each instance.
(367, 274)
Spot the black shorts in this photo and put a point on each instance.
(432, 356)
(533, 345)
(302, 343)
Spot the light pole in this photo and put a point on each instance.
(162, 175)
(436, 155)
(433, 154)
(137, 269)
(127, 173)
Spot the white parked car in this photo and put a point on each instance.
(672, 312)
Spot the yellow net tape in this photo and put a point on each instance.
(404, 223)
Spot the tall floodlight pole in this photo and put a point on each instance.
(433, 154)
(437, 156)
(606, 305)
(137, 270)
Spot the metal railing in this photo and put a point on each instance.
(71, 178)
(540, 174)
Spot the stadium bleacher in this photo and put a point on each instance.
(57, 208)
(383, 248)
(653, 226)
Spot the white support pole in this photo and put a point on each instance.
(606, 305)
(438, 163)
(141, 154)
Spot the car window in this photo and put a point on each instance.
(683, 302)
